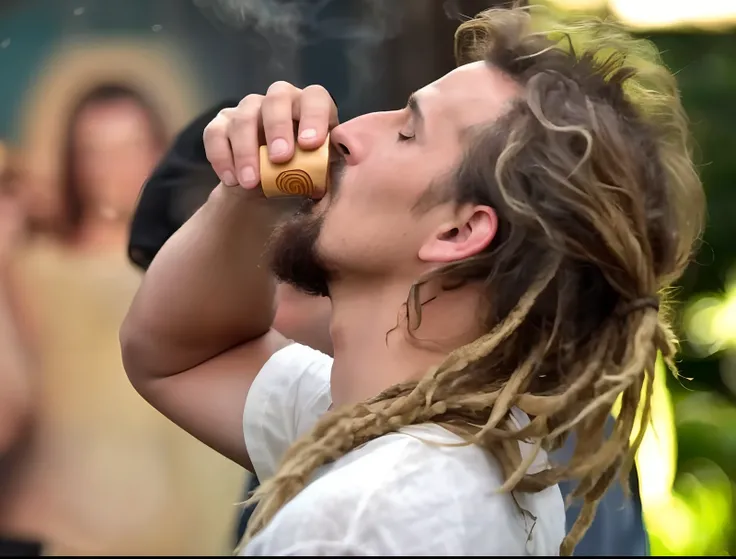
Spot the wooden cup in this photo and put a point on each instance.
(305, 174)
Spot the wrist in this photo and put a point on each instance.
(244, 203)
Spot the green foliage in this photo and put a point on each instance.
(700, 520)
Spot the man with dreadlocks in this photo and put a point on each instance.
(495, 254)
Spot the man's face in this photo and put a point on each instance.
(367, 225)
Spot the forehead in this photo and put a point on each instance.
(112, 109)
(469, 95)
(112, 119)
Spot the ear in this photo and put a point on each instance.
(469, 234)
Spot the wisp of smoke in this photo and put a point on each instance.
(307, 21)
(262, 16)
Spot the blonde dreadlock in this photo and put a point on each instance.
(599, 205)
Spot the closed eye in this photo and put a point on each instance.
(404, 137)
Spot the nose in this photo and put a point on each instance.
(341, 139)
(338, 140)
(354, 139)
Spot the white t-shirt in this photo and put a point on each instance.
(396, 495)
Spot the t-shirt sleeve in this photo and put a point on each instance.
(286, 399)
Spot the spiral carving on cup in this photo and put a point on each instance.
(295, 182)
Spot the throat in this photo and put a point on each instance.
(377, 344)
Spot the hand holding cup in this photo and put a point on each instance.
(234, 141)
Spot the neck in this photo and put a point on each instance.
(373, 348)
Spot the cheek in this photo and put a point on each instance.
(132, 160)
(125, 173)
(372, 211)
(372, 232)
(385, 185)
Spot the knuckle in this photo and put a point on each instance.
(211, 135)
(316, 90)
(214, 128)
(219, 164)
(247, 101)
(244, 116)
(240, 119)
(217, 158)
(279, 89)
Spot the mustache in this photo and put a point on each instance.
(336, 172)
(305, 207)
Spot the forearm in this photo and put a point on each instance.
(207, 290)
(15, 382)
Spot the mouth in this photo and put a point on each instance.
(335, 171)
(333, 154)
(321, 203)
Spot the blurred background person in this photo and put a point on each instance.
(114, 136)
(103, 473)
(16, 384)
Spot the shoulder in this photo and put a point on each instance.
(409, 493)
(287, 398)
(296, 370)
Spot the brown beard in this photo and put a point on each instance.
(294, 258)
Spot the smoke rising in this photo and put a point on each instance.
(288, 25)
(261, 16)
(306, 21)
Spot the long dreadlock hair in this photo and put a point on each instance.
(599, 206)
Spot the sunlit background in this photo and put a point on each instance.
(688, 462)
(187, 55)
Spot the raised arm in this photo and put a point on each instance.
(199, 328)
(15, 380)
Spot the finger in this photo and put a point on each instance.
(217, 148)
(243, 128)
(278, 121)
(317, 114)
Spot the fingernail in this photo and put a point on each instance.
(229, 179)
(247, 176)
(308, 134)
(279, 147)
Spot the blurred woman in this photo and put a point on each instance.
(15, 385)
(15, 379)
(114, 137)
(104, 474)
